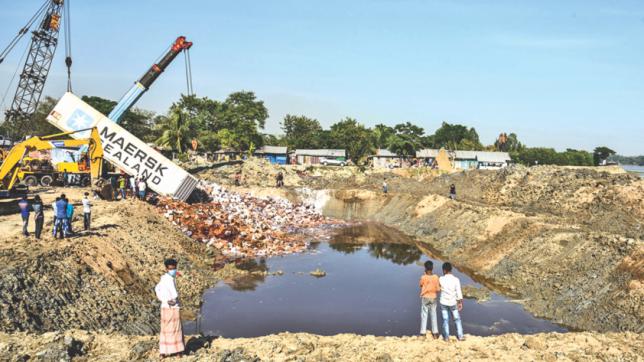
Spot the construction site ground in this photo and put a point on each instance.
(567, 243)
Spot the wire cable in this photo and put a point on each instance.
(18, 67)
(68, 44)
(24, 30)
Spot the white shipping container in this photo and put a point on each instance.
(122, 149)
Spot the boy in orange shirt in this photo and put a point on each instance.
(429, 288)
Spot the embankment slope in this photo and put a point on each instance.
(567, 242)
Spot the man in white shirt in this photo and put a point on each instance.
(142, 188)
(87, 211)
(171, 338)
(451, 301)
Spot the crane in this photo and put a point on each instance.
(44, 40)
(144, 83)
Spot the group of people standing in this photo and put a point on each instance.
(450, 301)
(63, 210)
(123, 183)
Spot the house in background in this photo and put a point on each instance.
(314, 157)
(274, 154)
(385, 159)
(466, 160)
(493, 160)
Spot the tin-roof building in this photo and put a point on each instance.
(313, 157)
(274, 154)
(385, 159)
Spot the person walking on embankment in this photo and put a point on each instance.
(39, 215)
(23, 204)
(171, 337)
(385, 187)
(429, 288)
(452, 192)
(451, 301)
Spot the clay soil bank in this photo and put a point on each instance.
(565, 242)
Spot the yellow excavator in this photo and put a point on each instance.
(18, 167)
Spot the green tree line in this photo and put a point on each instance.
(237, 123)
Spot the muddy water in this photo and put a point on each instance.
(370, 287)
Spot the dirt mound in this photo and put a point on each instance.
(344, 347)
(102, 279)
(254, 172)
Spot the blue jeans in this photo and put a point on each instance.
(428, 306)
(457, 320)
(61, 226)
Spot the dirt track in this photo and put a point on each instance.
(344, 347)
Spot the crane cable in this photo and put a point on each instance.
(188, 72)
(68, 44)
(22, 31)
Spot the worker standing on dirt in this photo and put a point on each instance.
(238, 176)
(23, 204)
(133, 182)
(87, 211)
(452, 192)
(65, 177)
(60, 225)
(279, 179)
(122, 186)
(171, 338)
(54, 207)
(143, 187)
(39, 215)
(385, 187)
(70, 216)
(451, 301)
(429, 288)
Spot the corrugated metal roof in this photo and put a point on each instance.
(279, 150)
(320, 152)
(496, 157)
(466, 155)
(481, 156)
(383, 152)
(427, 152)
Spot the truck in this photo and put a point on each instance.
(18, 168)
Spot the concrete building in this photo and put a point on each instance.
(274, 154)
(385, 159)
(314, 157)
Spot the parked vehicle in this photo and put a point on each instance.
(332, 162)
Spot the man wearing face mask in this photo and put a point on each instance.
(171, 338)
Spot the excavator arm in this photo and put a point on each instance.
(10, 165)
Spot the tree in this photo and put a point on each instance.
(37, 125)
(242, 114)
(301, 132)
(600, 154)
(507, 143)
(136, 121)
(451, 135)
(177, 131)
(381, 136)
(354, 137)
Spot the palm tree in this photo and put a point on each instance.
(177, 130)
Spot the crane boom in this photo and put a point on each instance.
(144, 83)
(44, 41)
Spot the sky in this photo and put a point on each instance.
(561, 74)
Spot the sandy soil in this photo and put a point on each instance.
(344, 347)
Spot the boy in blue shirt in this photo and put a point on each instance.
(23, 204)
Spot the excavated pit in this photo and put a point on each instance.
(369, 287)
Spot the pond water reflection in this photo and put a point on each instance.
(371, 287)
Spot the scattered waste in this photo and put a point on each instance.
(318, 273)
(244, 226)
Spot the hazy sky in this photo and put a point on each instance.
(558, 73)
